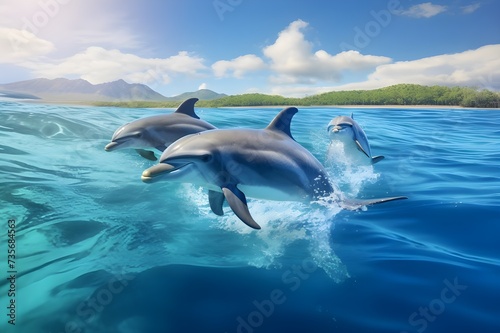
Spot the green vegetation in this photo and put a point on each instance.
(254, 100)
(409, 94)
(401, 94)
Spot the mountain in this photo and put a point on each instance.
(202, 94)
(64, 90)
(79, 90)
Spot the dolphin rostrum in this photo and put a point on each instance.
(347, 130)
(236, 163)
(158, 132)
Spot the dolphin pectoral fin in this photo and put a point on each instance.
(238, 203)
(360, 148)
(376, 159)
(353, 204)
(147, 154)
(216, 199)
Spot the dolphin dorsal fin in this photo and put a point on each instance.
(352, 115)
(282, 121)
(187, 107)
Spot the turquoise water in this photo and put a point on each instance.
(97, 250)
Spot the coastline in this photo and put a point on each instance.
(351, 106)
(400, 96)
(375, 106)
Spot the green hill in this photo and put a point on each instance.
(252, 100)
(409, 94)
(202, 94)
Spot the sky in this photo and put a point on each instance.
(291, 48)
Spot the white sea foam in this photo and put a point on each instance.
(346, 171)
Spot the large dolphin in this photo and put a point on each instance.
(158, 132)
(235, 163)
(347, 130)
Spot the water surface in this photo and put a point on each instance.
(100, 251)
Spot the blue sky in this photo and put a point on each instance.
(292, 48)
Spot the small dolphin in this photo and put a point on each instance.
(158, 132)
(235, 163)
(347, 130)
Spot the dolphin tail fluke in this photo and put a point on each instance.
(353, 204)
(147, 154)
(376, 159)
(216, 199)
(238, 203)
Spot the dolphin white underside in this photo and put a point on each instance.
(350, 153)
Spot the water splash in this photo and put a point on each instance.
(289, 229)
(350, 174)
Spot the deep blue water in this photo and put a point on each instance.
(97, 250)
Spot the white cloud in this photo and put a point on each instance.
(423, 10)
(479, 67)
(202, 86)
(293, 60)
(98, 65)
(20, 45)
(237, 67)
(470, 8)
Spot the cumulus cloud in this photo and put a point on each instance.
(21, 45)
(423, 10)
(202, 86)
(293, 60)
(470, 8)
(237, 67)
(98, 65)
(479, 68)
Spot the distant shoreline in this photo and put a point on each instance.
(396, 96)
(375, 106)
(354, 106)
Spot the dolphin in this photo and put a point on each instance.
(236, 163)
(158, 132)
(347, 130)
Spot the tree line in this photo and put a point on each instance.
(401, 94)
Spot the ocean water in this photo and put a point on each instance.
(97, 250)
